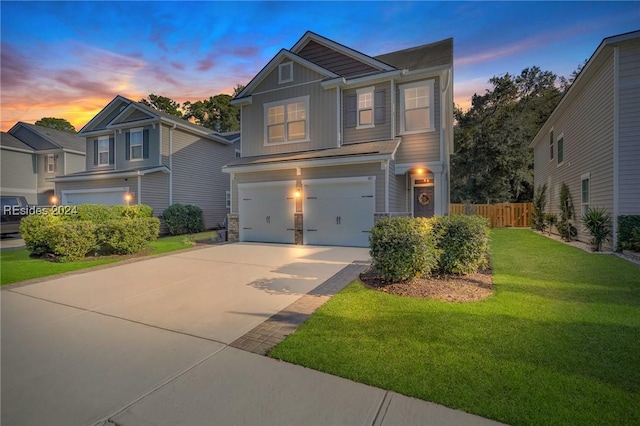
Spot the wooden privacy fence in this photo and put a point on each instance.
(515, 215)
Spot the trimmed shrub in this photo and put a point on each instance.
(403, 248)
(72, 240)
(463, 242)
(97, 213)
(183, 219)
(539, 205)
(137, 210)
(628, 233)
(128, 235)
(33, 230)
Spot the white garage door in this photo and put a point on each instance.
(338, 212)
(110, 197)
(266, 212)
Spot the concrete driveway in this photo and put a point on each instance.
(82, 347)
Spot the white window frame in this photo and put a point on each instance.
(584, 205)
(102, 139)
(285, 103)
(281, 67)
(141, 144)
(50, 161)
(227, 199)
(430, 107)
(362, 92)
(552, 145)
(558, 139)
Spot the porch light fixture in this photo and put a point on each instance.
(419, 171)
(54, 200)
(298, 193)
(128, 197)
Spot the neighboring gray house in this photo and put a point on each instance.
(333, 139)
(138, 155)
(591, 141)
(31, 154)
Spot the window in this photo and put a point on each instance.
(103, 151)
(365, 107)
(585, 192)
(560, 150)
(135, 144)
(51, 163)
(238, 153)
(415, 101)
(287, 122)
(285, 72)
(227, 199)
(551, 145)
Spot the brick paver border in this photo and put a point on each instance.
(267, 335)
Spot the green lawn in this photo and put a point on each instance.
(16, 265)
(558, 342)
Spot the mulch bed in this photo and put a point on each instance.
(448, 288)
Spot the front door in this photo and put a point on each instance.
(423, 203)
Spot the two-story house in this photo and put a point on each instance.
(591, 141)
(31, 154)
(138, 155)
(333, 139)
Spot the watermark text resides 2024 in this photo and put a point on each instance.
(36, 210)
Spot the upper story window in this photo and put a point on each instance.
(365, 107)
(416, 103)
(285, 72)
(551, 145)
(135, 148)
(50, 163)
(103, 150)
(287, 121)
(560, 144)
(137, 144)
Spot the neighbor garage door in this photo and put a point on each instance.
(338, 211)
(266, 211)
(113, 197)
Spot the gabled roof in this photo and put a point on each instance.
(274, 62)
(7, 140)
(421, 57)
(587, 71)
(44, 138)
(120, 106)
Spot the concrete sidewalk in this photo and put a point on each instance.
(152, 343)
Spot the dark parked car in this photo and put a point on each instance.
(14, 208)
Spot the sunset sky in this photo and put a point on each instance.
(69, 59)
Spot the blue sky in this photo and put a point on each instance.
(69, 59)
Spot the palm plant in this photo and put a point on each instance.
(597, 221)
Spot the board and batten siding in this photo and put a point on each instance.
(629, 129)
(322, 115)
(197, 175)
(587, 127)
(378, 132)
(18, 174)
(301, 75)
(334, 61)
(420, 147)
(352, 170)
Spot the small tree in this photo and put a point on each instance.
(597, 221)
(565, 227)
(539, 205)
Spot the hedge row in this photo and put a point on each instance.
(629, 233)
(95, 228)
(403, 248)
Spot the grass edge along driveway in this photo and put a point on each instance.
(17, 266)
(558, 342)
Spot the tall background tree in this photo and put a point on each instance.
(56, 123)
(492, 161)
(162, 103)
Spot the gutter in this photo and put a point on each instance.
(103, 176)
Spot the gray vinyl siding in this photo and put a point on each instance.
(629, 130)
(333, 61)
(165, 144)
(91, 150)
(301, 75)
(121, 151)
(43, 185)
(154, 191)
(197, 175)
(323, 120)
(18, 174)
(379, 131)
(132, 116)
(420, 147)
(74, 163)
(397, 191)
(352, 170)
(587, 125)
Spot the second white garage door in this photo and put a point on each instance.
(266, 211)
(338, 212)
(108, 196)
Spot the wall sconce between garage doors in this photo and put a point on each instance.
(298, 193)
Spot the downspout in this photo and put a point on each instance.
(139, 196)
(171, 163)
(385, 164)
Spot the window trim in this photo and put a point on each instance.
(237, 153)
(430, 84)
(585, 177)
(50, 160)
(551, 145)
(141, 144)
(227, 199)
(558, 139)
(284, 103)
(363, 91)
(106, 139)
(281, 67)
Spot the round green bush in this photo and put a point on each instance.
(403, 248)
(463, 242)
(183, 219)
(33, 230)
(72, 240)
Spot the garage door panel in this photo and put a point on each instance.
(267, 214)
(113, 198)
